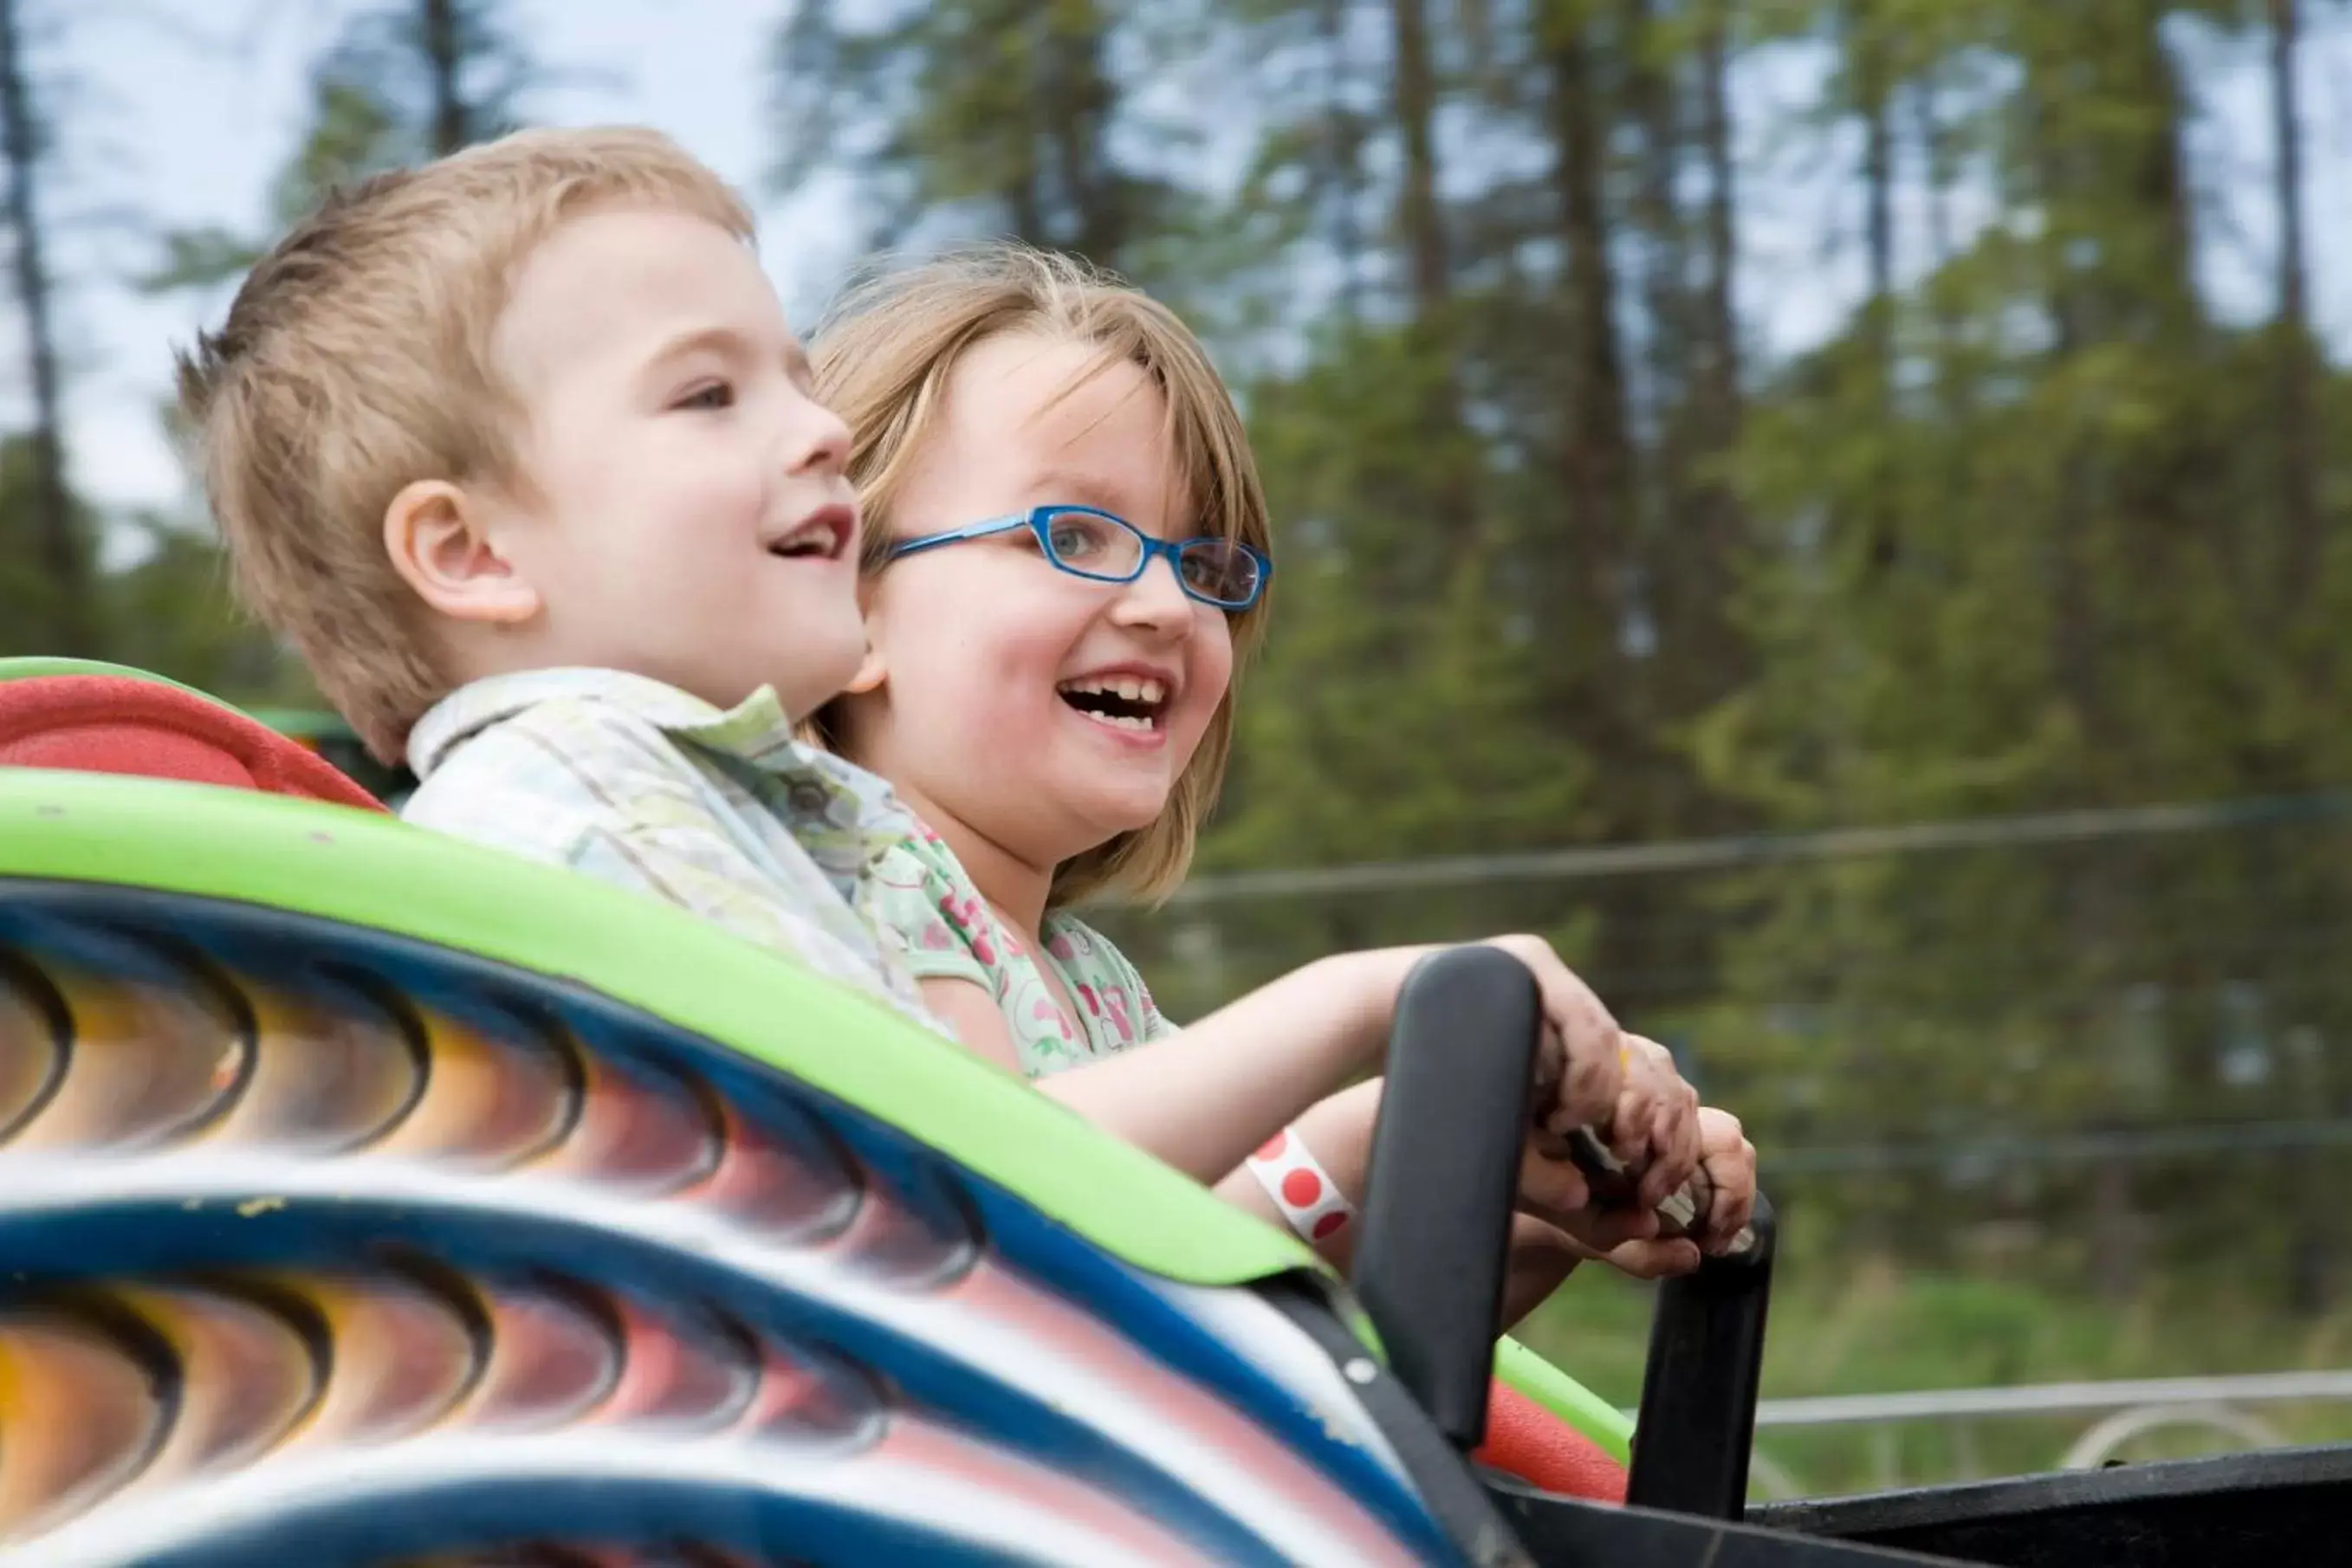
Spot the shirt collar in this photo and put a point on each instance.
(756, 730)
(754, 727)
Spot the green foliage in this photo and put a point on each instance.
(995, 116)
(404, 82)
(29, 604)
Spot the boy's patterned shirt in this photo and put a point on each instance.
(722, 813)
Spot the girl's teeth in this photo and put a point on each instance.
(1127, 688)
(1121, 720)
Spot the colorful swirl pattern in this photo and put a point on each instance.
(318, 1248)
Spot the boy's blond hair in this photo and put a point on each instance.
(357, 359)
(883, 359)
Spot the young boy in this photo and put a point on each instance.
(517, 451)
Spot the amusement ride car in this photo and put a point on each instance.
(368, 1199)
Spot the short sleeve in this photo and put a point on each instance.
(1150, 1024)
(1105, 985)
(939, 924)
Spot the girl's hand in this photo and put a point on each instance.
(1727, 1166)
(1580, 1065)
(1648, 1116)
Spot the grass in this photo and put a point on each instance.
(1868, 1327)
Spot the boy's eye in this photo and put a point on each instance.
(711, 394)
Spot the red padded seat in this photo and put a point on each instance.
(99, 719)
(1527, 1440)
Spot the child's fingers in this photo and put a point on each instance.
(1731, 1165)
(1674, 1155)
(1655, 1260)
(1594, 1071)
(1729, 1217)
(1653, 1129)
(1551, 1186)
(1635, 1124)
(1587, 1087)
(1675, 1144)
(1609, 1228)
(1591, 1077)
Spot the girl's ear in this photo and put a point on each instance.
(432, 534)
(870, 673)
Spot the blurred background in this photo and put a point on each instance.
(1823, 507)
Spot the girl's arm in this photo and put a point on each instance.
(1340, 1131)
(1210, 1096)
(1203, 1100)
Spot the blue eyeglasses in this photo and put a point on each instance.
(1086, 543)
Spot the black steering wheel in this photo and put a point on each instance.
(1429, 1262)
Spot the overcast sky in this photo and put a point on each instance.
(191, 136)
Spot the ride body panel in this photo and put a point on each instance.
(346, 866)
(228, 1128)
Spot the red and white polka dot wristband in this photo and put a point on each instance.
(1300, 1187)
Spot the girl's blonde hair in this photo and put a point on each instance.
(883, 358)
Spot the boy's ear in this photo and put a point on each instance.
(433, 535)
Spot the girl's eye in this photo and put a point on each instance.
(712, 395)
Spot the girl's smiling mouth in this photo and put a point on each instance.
(1132, 701)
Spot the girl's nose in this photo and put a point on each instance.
(1156, 599)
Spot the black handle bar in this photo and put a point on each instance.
(1435, 1229)
(1445, 1169)
(1697, 1421)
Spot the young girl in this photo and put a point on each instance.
(1068, 554)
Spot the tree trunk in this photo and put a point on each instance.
(64, 553)
(1452, 458)
(1590, 553)
(1690, 548)
(1721, 318)
(1423, 218)
(1651, 101)
(1598, 448)
(443, 59)
(1342, 158)
(1080, 102)
(2298, 476)
(1873, 90)
(1711, 651)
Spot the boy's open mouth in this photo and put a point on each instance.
(1121, 701)
(823, 535)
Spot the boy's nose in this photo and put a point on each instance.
(815, 438)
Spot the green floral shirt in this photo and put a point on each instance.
(945, 929)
